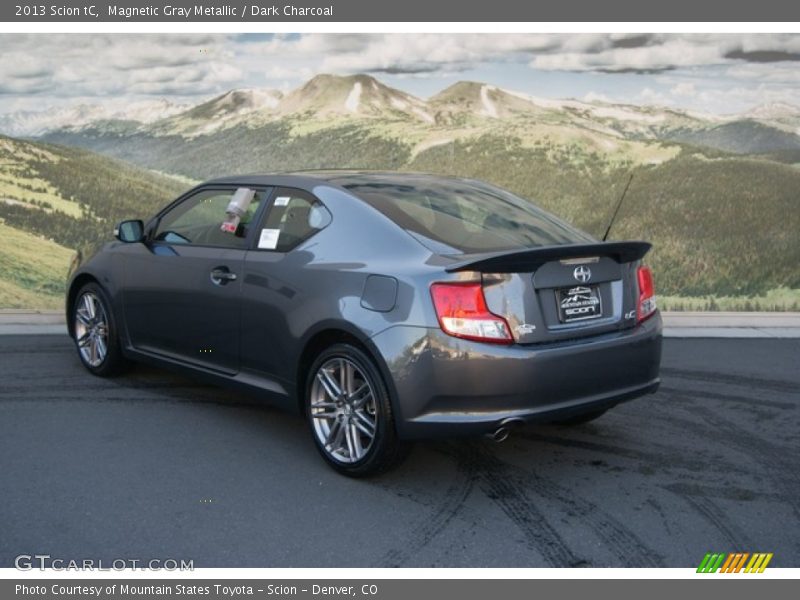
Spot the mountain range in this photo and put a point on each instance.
(32, 123)
(775, 126)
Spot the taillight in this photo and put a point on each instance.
(462, 312)
(647, 294)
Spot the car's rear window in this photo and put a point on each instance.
(465, 216)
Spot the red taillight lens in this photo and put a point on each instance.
(462, 312)
(647, 294)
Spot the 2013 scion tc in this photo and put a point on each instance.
(383, 307)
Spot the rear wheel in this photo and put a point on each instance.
(95, 332)
(349, 412)
(581, 419)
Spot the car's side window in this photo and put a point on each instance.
(198, 220)
(295, 215)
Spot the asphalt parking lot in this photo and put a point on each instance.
(152, 465)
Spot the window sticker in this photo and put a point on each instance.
(282, 200)
(269, 239)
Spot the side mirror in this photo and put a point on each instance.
(130, 231)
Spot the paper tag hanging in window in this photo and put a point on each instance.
(282, 200)
(268, 240)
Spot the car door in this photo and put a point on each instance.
(273, 296)
(182, 286)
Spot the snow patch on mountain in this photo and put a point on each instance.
(424, 115)
(489, 109)
(773, 110)
(398, 103)
(353, 98)
(624, 114)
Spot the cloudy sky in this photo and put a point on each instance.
(719, 73)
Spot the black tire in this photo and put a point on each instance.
(113, 362)
(581, 419)
(385, 450)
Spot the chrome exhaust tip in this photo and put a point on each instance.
(499, 435)
(504, 430)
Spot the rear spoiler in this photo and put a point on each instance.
(523, 261)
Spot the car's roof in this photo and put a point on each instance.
(338, 177)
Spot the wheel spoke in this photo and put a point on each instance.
(351, 377)
(323, 405)
(329, 383)
(365, 421)
(355, 442)
(101, 348)
(368, 431)
(360, 390)
(351, 444)
(326, 410)
(83, 341)
(331, 414)
(83, 317)
(334, 436)
(88, 305)
(342, 366)
(361, 400)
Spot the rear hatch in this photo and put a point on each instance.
(555, 293)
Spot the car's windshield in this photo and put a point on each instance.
(464, 216)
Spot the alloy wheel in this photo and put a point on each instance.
(91, 329)
(343, 410)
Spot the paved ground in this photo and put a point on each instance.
(155, 466)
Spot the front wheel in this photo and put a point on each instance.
(349, 412)
(95, 332)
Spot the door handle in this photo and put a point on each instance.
(221, 276)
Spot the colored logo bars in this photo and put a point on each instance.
(735, 562)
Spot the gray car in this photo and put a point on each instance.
(385, 307)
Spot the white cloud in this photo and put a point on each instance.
(102, 65)
(684, 89)
(697, 70)
(402, 53)
(422, 54)
(787, 72)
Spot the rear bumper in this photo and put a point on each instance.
(445, 386)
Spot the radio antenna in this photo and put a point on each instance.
(616, 210)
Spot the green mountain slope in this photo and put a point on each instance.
(55, 200)
(740, 137)
(724, 225)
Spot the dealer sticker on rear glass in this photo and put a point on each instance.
(269, 239)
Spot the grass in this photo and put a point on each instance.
(21, 183)
(32, 270)
(13, 190)
(777, 300)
